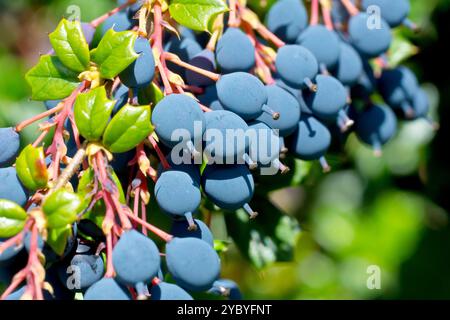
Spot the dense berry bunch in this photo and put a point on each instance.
(141, 110)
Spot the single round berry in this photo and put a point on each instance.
(135, 258)
(295, 64)
(287, 19)
(228, 186)
(371, 36)
(242, 93)
(175, 118)
(168, 291)
(107, 289)
(225, 140)
(349, 67)
(282, 102)
(193, 263)
(323, 44)
(312, 139)
(234, 51)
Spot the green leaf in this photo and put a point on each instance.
(221, 245)
(401, 49)
(269, 238)
(12, 218)
(61, 208)
(129, 127)
(115, 52)
(51, 80)
(70, 45)
(196, 14)
(151, 94)
(31, 168)
(92, 111)
(85, 186)
(57, 238)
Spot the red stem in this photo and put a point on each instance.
(161, 156)
(175, 59)
(314, 12)
(40, 116)
(326, 14)
(350, 7)
(160, 233)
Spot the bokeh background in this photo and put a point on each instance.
(316, 238)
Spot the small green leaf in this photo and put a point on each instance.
(196, 14)
(57, 238)
(115, 52)
(51, 80)
(151, 94)
(129, 127)
(31, 168)
(12, 218)
(92, 111)
(70, 45)
(85, 186)
(401, 49)
(61, 208)
(221, 245)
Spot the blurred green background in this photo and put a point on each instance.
(390, 212)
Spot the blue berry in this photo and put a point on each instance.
(323, 44)
(180, 230)
(296, 65)
(421, 104)
(229, 187)
(231, 128)
(206, 60)
(120, 95)
(168, 291)
(287, 18)
(349, 67)
(375, 126)
(234, 51)
(178, 113)
(210, 99)
(242, 93)
(265, 146)
(226, 288)
(394, 12)
(398, 88)
(107, 289)
(11, 188)
(88, 32)
(178, 194)
(140, 73)
(50, 104)
(280, 101)
(370, 41)
(193, 263)
(9, 146)
(185, 48)
(135, 258)
(311, 141)
(7, 256)
(329, 100)
(119, 21)
(88, 267)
